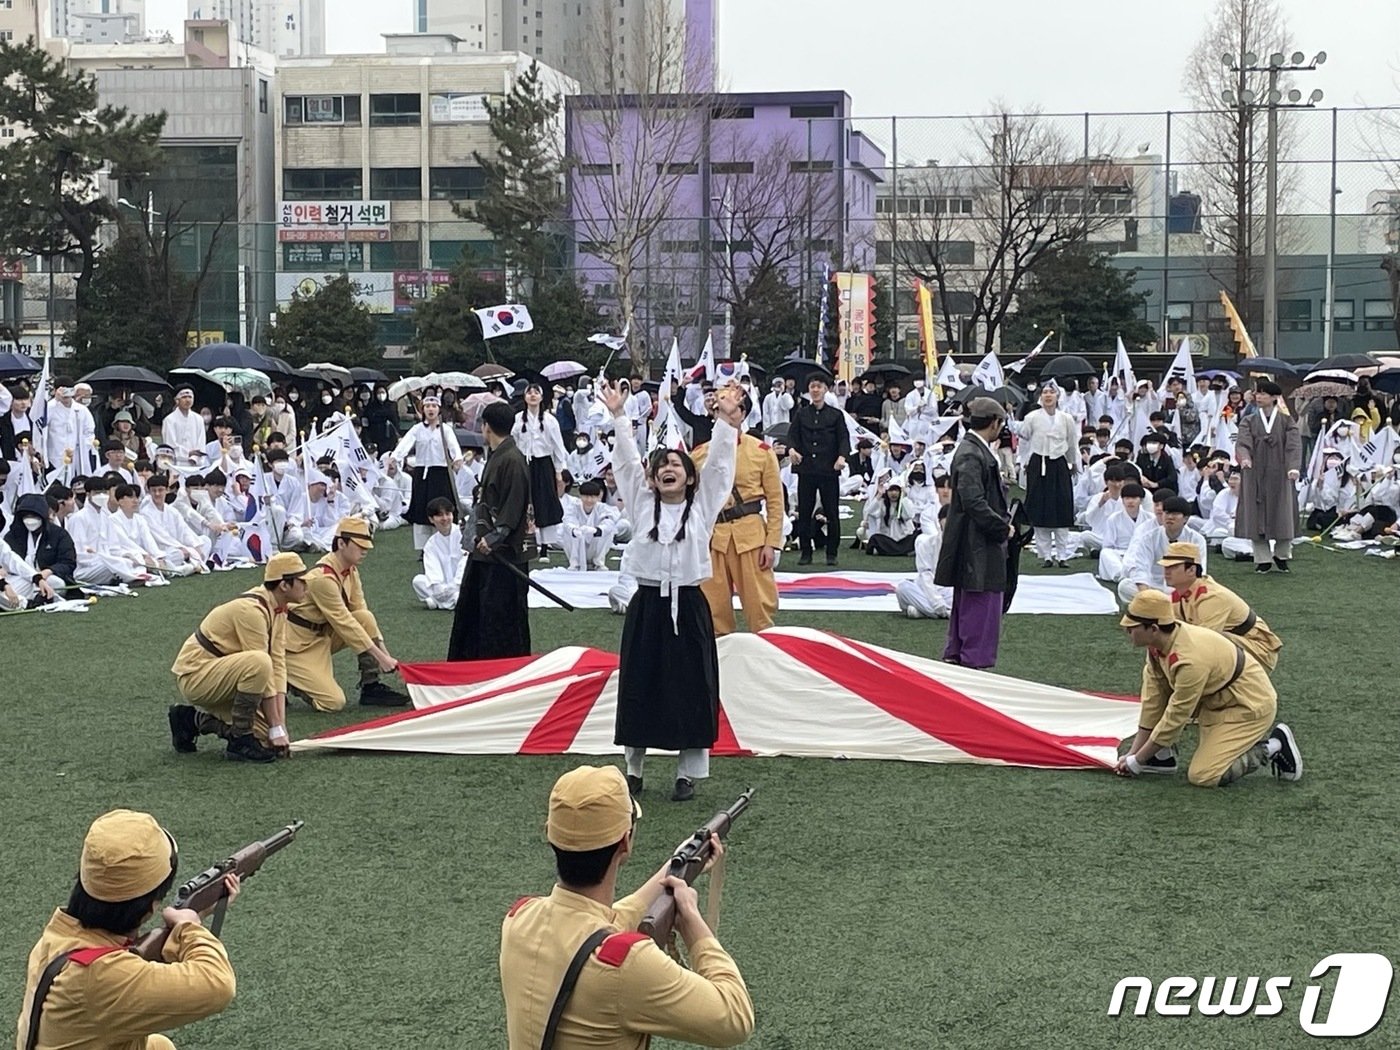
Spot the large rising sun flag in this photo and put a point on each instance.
(788, 691)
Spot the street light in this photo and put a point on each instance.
(1273, 101)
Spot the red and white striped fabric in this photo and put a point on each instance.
(788, 691)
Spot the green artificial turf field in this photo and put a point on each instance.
(868, 904)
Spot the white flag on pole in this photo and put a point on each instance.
(1123, 370)
(988, 373)
(948, 375)
(1018, 365)
(509, 319)
(672, 374)
(1182, 367)
(706, 363)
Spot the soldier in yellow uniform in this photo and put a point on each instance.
(628, 989)
(745, 544)
(1205, 602)
(1193, 672)
(333, 617)
(233, 669)
(101, 996)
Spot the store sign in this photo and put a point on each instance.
(334, 221)
(450, 107)
(11, 270)
(374, 290)
(298, 255)
(412, 287)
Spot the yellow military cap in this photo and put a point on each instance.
(1150, 607)
(589, 808)
(125, 855)
(284, 566)
(1181, 553)
(356, 530)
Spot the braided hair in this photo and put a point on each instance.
(655, 462)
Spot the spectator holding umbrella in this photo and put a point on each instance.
(381, 420)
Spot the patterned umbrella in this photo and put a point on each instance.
(247, 381)
(562, 370)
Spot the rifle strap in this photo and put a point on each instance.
(713, 898)
(566, 987)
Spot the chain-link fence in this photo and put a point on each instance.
(963, 202)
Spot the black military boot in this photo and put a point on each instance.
(245, 748)
(183, 729)
(377, 694)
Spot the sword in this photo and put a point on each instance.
(528, 579)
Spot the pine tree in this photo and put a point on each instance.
(521, 197)
(50, 196)
(331, 325)
(1085, 298)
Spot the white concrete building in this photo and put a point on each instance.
(282, 27)
(373, 151)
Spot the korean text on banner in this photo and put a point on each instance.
(856, 295)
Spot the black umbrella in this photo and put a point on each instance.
(1347, 361)
(368, 375)
(208, 391)
(799, 368)
(16, 366)
(1021, 536)
(1387, 382)
(1007, 396)
(777, 432)
(1066, 365)
(1269, 366)
(124, 377)
(886, 368)
(278, 368)
(226, 355)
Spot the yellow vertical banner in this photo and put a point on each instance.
(855, 295)
(923, 296)
(1244, 345)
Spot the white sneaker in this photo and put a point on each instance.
(913, 613)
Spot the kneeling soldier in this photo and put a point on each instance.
(333, 617)
(85, 989)
(1193, 672)
(233, 669)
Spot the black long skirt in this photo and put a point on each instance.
(668, 680)
(492, 619)
(884, 545)
(428, 484)
(544, 493)
(1049, 497)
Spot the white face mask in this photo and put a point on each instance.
(33, 524)
(381, 396)
(281, 405)
(279, 468)
(581, 444)
(325, 399)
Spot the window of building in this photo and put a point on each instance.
(456, 184)
(7, 132)
(732, 167)
(739, 247)
(821, 244)
(957, 253)
(731, 113)
(7, 35)
(678, 169)
(262, 96)
(1343, 315)
(681, 247)
(395, 110)
(1295, 315)
(444, 255)
(1180, 317)
(1377, 315)
(393, 255)
(799, 167)
(322, 184)
(884, 253)
(395, 184)
(594, 170)
(321, 109)
(882, 206)
(811, 112)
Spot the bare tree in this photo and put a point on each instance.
(1227, 144)
(635, 137)
(975, 231)
(770, 210)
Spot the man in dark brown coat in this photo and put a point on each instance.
(1270, 453)
(972, 559)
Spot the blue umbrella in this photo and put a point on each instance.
(13, 366)
(227, 355)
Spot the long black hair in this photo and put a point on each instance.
(655, 462)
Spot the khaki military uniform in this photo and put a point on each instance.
(239, 647)
(115, 1000)
(333, 617)
(1207, 603)
(628, 991)
(1205, 676)
(740, 533)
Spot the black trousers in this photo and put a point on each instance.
(809, 487)
(492, 619)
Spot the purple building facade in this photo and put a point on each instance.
(677, 203)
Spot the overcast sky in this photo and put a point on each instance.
(917, 58)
